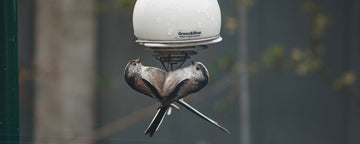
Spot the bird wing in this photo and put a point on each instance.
(143, 86)
(184, 88)
(152, 90)
(156, 77)
(173, 79)
(177, 91)
(138, 84)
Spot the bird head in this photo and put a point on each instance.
(200, 70)
(134, 66)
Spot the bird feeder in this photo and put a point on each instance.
(175, 29)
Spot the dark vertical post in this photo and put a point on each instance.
(9, 73)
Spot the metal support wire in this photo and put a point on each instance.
(172, 56)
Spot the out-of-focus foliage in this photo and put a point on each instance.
(249, 3)
(226, 62)
(230, 25)
(319, 21)
(310, 60)
(347, 79)
(124, 4)
(305, 62)
(273, 56)
(302, 61)
(99, 6)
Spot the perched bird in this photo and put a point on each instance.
(167, 87)
(146, 80)
(178, 84)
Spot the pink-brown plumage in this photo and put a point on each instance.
(167, 87)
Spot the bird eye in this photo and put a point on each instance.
(197, 68)
(134, 63)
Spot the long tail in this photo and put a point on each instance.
(189, 107)
(156, 122)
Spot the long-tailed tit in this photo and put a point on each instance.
(178, 84)
(146, 80)
(167, 87)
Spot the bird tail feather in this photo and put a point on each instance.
(157, 120)
(193, 110)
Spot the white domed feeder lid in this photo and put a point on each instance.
(175, 29)
(177, 23)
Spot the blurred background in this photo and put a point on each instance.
(301, 75)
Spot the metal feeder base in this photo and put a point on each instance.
(169, 57)
(171, 53)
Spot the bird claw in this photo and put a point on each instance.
(175, 106)
(172, 106)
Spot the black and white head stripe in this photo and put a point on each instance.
(203, 69)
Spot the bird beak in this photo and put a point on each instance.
(138, 60)
(192, 62)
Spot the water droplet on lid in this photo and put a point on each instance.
(169, 32)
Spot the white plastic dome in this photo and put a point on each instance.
(177, 22)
